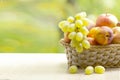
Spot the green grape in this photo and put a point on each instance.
(70, 19)
(73, 69)
(65, 26)
(71, 27)
(80, 15)
(99, 69)
(65, 29)
(85, 21)
(89, 70)
(61, 24)
(79, 48)
(78, 23)
(72, 35)
(86, 44)
(79, 36)
(80, 45)
(73, 43)
(84, 30)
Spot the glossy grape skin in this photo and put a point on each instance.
(79, 48)
(89, 70)
(78, 23)
(84, 30)
(73, 69)
(99, 69)
(70, 19)
(79, 36)
(72, 35)
(71, 27)
(80, 15)
(86, 44)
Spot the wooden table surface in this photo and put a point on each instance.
(41, 66)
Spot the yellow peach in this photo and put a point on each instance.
(116, 32)
(104, 35)
(92, 32)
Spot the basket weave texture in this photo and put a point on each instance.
(107, 56)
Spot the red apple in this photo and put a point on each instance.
(107, 20)
(104, 35)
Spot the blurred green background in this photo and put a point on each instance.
(32, 25)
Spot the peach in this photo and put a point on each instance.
(104, 35)
(107, 20)
(66, 39)
(91, 41)
(92, 32)
(116, 32)
(118, 24)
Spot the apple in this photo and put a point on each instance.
(104, 35)
(107, 20)
(116, 33)
(66, 39)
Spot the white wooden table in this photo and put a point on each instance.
(45, 67)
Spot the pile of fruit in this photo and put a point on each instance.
(81, 32)
(75, 31)
(106, 31)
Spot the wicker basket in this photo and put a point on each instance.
(107, 56)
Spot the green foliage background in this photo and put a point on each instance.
(31, 25)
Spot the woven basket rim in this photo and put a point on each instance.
(97, 46)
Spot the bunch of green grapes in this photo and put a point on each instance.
(76, 26)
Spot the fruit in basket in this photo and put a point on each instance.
(80, 15)
(79, 47)
(91, 41)
(118, 24)
(92, 32)
(63, 25)
(116, 32)
(75, 31)
(66, 39)
(78, 23)
(70, 19)
(79, 36)
(85, 21)
(99, 69)
(104, 35)
(107, 19)
(71, 27)
(86, 44)
(72, 35)
(89, 70)
(83, 30)
(73, 69)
